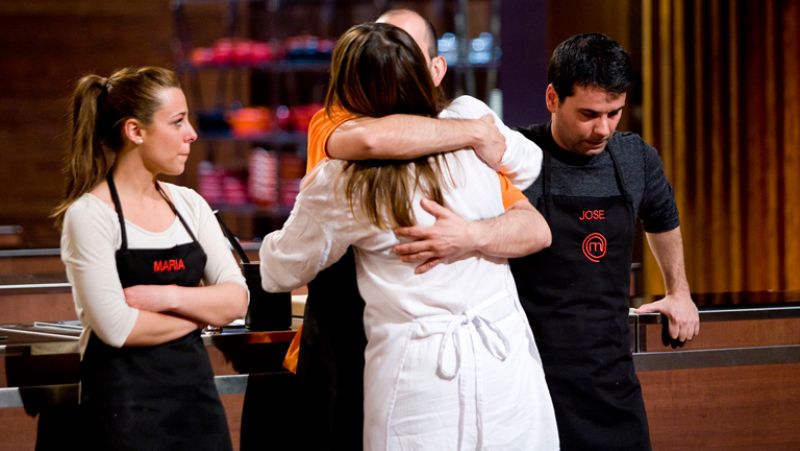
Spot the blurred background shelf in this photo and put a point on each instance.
(255, 71)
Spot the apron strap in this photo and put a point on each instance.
(112, 188)
(617, 172)
(174, 210)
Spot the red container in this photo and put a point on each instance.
(249, 121)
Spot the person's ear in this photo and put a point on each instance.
(438, 69)
(551, 98)
(133, 131)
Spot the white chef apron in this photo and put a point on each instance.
(463, 382)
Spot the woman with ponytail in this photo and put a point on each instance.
(149, 267)
(450, 361)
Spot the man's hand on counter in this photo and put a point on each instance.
(681, 312)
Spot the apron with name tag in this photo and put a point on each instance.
(158, 397)
(575, 296)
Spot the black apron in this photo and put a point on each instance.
(154, 397)
(330, 366)
(575, 294)
(322, 408)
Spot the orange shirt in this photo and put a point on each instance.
(511, 194)
(320, 130)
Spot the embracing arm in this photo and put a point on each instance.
(405, 137)
(520, 231)
(316, 234)
(465, 123)
(677, 305)
(520, 160)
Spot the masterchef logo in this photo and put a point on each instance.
(594, 247)
(174, 264)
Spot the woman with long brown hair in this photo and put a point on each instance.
(450, 360)
(149, 268)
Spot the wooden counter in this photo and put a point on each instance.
(39, 371)
(39, 393)
(734, 387)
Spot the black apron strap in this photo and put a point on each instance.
(112, 188)
(617, 172)
(175, 210)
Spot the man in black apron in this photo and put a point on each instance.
(594, 184)
(152, 397)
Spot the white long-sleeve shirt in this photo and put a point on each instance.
(90, 238)
(522, 160)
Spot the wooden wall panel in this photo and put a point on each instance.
(790, 44)
(50, 265)
(733, 199)
(46, 45)
(46, 305)
(722, 108)
(18, 430)
(732, 408)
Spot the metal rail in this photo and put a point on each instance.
(14, 397)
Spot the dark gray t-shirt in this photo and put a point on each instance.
(593, 176)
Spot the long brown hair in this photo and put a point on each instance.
(377, 70)
(99, 108)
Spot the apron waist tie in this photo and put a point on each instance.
(493, 339)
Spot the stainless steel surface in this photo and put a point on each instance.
(231, 384)
(10, 398)
(32, 340)
(54, 338)
(17, 288)
(41, 252)
(713, 358)
(39, 332)
(13, 397)
(730, 314)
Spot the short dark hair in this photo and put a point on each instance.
(589, 60)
